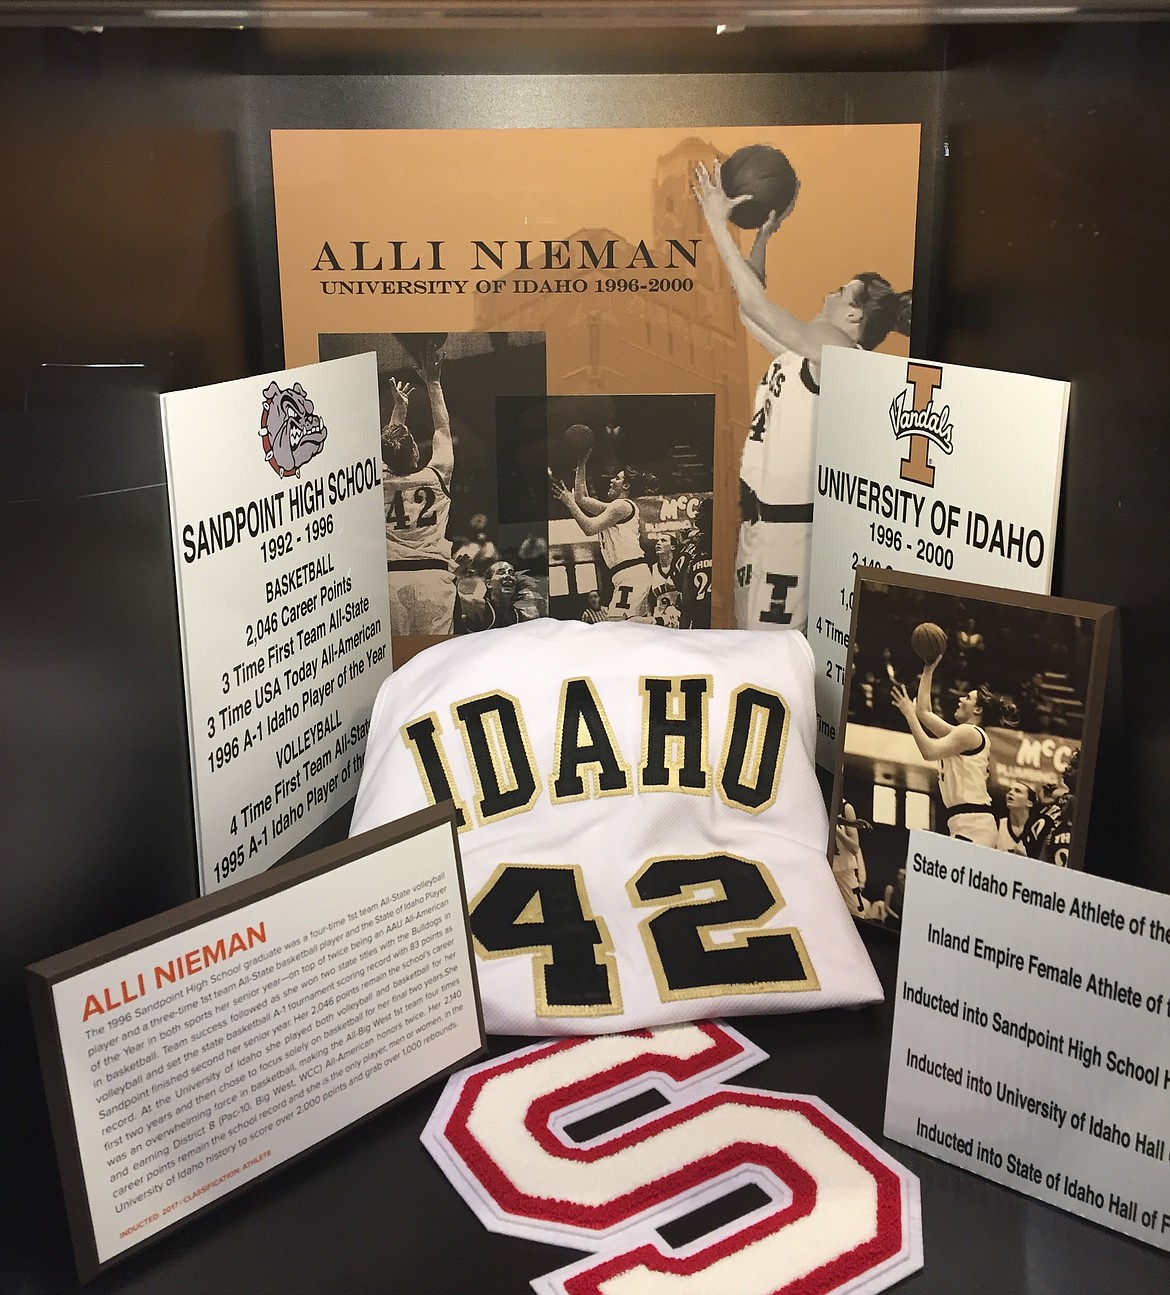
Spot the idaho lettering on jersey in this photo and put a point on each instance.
(586, 761)
(638, 848)
(506, 781)
(634, 1149)
(587, 745)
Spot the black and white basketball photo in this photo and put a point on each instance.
(970, 712)
(627, 500)
(456, 561)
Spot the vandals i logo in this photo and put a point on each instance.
(913, 415)
(290, 432)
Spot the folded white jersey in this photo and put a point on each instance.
(642, 833)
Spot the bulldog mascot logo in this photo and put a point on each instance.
(290, 432)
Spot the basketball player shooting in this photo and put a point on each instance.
(616, 524)
(779, 459)
(962, 749)
(418, 505)
(849, 866)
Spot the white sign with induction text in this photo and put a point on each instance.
(1031, 1036)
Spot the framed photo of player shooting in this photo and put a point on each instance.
(969, 711)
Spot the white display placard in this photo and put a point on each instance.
(280, 560)
(190, 1065)
(934, 469)
(1031, 1038)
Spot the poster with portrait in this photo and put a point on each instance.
(968, 711)
(586, 257)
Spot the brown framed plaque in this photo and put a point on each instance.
(969, 711)
(191, 1055)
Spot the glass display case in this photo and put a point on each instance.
(141, 237)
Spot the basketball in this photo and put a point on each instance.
(928, 641)
(579, 439)
(766, 176)
(417, 344)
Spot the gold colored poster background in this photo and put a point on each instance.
(399, 193)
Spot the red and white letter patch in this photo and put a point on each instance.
(633, 1148)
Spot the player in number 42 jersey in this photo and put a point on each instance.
(418, 504)
(642, 834)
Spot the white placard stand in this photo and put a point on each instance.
(280, 562)
(1031, 1036)
(932, 469)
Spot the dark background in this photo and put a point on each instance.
(138, 221)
